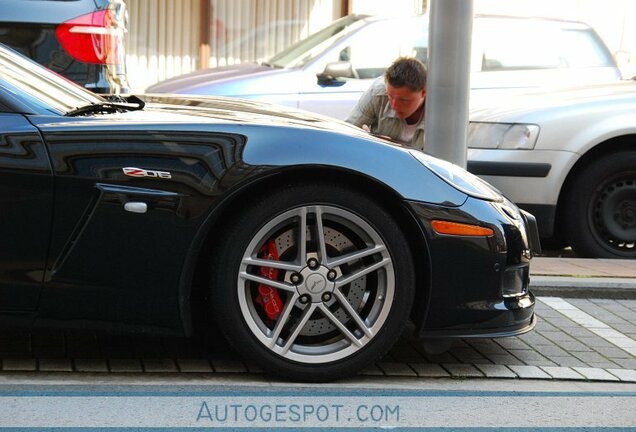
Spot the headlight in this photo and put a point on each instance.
(508, 136)
(458, 177)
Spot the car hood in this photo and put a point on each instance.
(537, 105)
(236, 80)
(205, 113)
(211, 109)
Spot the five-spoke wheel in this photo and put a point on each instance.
(318, 282)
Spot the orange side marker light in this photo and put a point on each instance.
(460, 229)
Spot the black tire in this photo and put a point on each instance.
(322, 350)
(600, 208)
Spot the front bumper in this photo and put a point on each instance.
(478, 285)
(524, 176)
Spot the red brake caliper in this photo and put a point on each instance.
(268, 297)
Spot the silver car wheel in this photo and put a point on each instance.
(334, 276)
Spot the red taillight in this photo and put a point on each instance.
(92, 38)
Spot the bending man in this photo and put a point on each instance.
(394, 104)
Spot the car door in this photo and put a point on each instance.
(369, 51)
(26, 194)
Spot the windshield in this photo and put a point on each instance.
(39, 87)
(305, 50)
(537, 44)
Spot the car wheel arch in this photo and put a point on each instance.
(218, 219)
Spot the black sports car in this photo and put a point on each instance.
(309, 242)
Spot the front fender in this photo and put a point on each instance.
(581, 132)
(391, 165)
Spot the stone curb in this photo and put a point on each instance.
(584, 287)
(413, 371)
(479, 371)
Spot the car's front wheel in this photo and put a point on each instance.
(600, 212)
(313, 282)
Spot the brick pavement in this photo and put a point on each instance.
(561, 347)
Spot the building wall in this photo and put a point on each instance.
(254, 30)
(164, 36)
(162, 40)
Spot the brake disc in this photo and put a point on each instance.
(337, 244)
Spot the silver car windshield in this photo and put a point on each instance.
(41, 87)
(305, 50)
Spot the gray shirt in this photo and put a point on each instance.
(374, 110)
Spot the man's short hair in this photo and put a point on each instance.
(407, 72)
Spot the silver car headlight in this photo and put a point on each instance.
(510, 136)
(458, 177)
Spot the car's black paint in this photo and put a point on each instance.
(204, 166)
(460, 265)
(207, 162)
(152, 248)
(74, 257)
(26, 193)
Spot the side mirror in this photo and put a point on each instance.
(334, 72)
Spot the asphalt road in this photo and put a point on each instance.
(152, 402)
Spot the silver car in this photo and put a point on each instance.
(328, 71)
(569, 157)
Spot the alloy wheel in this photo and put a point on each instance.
(333, 279)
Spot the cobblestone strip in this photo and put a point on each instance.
(465, 370)
(575, 339)
(596, 326)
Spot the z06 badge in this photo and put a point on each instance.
(140, 172)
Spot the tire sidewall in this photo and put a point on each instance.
(581, 231)
(225, 304)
